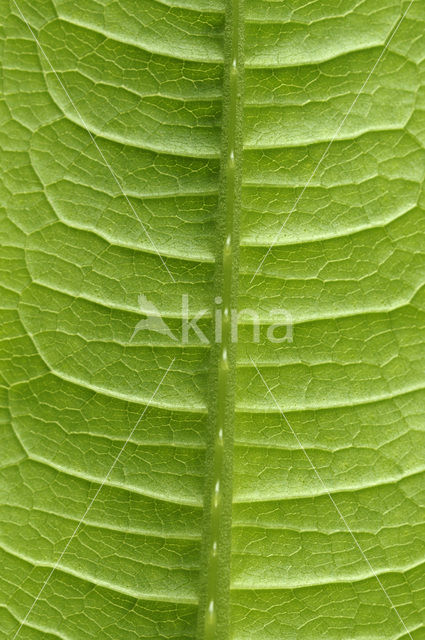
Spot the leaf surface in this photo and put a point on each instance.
(262, 155)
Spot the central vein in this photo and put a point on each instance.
(214, 603)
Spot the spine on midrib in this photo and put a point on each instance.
(215, 583)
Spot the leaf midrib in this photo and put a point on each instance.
(215, 570)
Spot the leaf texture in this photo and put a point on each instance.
(117, 121)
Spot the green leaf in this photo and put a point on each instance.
(164, 160)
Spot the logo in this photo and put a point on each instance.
(277, 329)
(153, 320)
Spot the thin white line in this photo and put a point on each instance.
(328, 493)
(112, 172)
(55, 566)
(390, 37)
